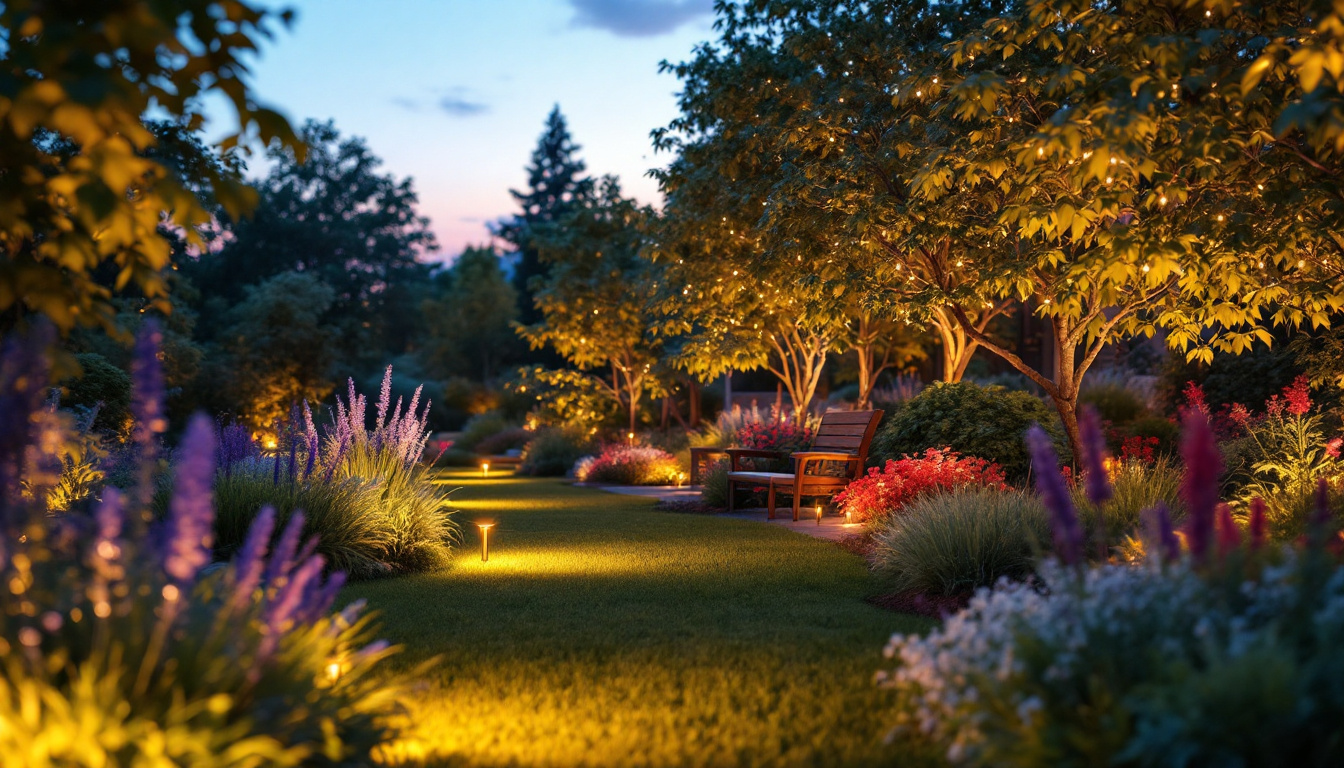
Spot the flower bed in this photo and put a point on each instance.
(629, 465)
(886, 490)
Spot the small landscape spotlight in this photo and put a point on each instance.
(631, 437)
(818, 514)
(849, 520)
(485, 469)
(485, 540)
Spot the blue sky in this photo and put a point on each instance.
(454, 92)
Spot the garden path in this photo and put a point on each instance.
(604, 632)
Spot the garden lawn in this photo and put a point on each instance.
(603, 632)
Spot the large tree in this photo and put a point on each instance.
(594, 298)
(80, 187)
(556, 185)
(786, 126)
(331, 214)
(467, 327)
(1124, 178)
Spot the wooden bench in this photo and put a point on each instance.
(840, 448)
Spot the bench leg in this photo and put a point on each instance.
(797, 500)
(770, 503)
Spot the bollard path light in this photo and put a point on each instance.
(818, 514)
(485, 469)
(485, 540)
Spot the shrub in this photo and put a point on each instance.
(553, 452)
(1164, 430)
(122, 648)
(882, 492)
(714, 485)
(1116, 403)
(779, 435)
(976, 421)
(480, 427)
(629, 465)
(373, 507)
(953, 542)
(511, 439)
(103, 385)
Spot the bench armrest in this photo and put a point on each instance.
(825, 456)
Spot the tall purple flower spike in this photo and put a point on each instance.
(282, 557)
(1097, 483)
(1068, 533)
(24, 374)
(147, 387)
(1159, 532)
(191, 513)
(1203, 465)
(251, 559)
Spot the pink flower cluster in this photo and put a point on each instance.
(777, 435)
(884, 491)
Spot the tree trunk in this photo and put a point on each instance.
(867, 379)
(693, 393)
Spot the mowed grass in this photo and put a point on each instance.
(603, 632)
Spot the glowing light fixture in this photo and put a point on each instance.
(631, 437)
(485, 469)
(485, 540)
(333, 671)
(849, 519)
(818, 514)
(681, 479)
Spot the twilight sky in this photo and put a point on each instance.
(454, 92)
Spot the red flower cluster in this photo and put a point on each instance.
(774, 436)
(884, 491)
(1194, 397)
(1138, 448)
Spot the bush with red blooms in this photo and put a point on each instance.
(886, 490)
(777, 435)
(1138, 449)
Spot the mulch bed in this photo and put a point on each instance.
(933, 606)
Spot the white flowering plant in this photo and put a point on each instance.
(1218, 649)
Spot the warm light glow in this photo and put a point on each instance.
(849, 519)
(681, 479)
(270, 444)
(485, 469)
(333, 671)
(818, 514)
(631, 437)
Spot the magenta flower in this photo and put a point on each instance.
(1068, 533)
(1097, 483)
(191, 513)
(1203, 466)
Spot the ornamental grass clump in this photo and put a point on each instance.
(120, 642)
(372, 506)
(1219, 648)
(884, 492)
(954, 542)
(629, 465)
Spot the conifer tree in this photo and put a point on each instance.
(556, 185)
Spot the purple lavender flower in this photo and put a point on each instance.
(191, 512)
(282, 557)
(282, 612)
(385, 397)
(1094, 458)
(251, 559)
(318, 601)
(235, 445)
(1054, 492)
(25, 370)
(1159, 533)
(147, 391)
(1203, 465)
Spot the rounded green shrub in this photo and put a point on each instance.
(553, 452)
(985, 422)
(102, 382)
(952, 543)
(1114, 403)
(479, 428)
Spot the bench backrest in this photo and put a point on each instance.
(848, 432)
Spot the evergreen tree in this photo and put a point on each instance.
(556, 186)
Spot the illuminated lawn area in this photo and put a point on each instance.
(603, 632)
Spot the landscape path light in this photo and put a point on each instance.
(818, 514)
(485, 469)
(485, 540)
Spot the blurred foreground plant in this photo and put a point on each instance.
(122, 644)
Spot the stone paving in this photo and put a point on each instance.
(832, 526)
